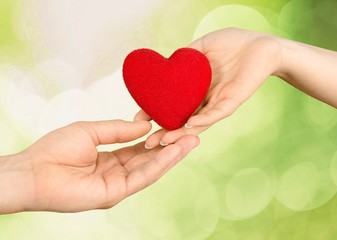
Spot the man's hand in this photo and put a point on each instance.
(64, 172)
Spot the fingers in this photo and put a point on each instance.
(127, 153)
(114, 131)
(164, 137)
(173, 136)
(220, 111)
(140, 160)
(204, 119)
(155, 139)
(142, 116)
(152, 170)
(227, 99)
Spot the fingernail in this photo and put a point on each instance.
(188, 126)
(163, 144)
(147, 147)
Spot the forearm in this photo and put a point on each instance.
(16, 183)
(311, 69)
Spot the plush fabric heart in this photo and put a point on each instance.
(170, 89)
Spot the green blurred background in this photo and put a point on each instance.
(267, 172)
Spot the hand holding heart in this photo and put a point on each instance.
(169, 90)
(63, 171)
(236, 57)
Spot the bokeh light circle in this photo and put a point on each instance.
(232, 16)
(245, 195)
(182, 205)
(333, 168)
(305, 187)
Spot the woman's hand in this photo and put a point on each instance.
(241, 61)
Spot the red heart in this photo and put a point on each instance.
(170, 89)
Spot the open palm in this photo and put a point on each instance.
(70, 175)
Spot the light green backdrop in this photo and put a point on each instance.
(267, 172)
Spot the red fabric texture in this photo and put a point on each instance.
(170, 89)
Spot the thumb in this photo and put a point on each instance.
(114, 131)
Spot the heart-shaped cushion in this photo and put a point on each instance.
(170, 89)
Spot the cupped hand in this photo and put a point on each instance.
(241, 61)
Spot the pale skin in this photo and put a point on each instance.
(64, 172)
(241, 61)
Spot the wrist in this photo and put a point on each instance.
(272, 50)
(287, 56)
(16, 183)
